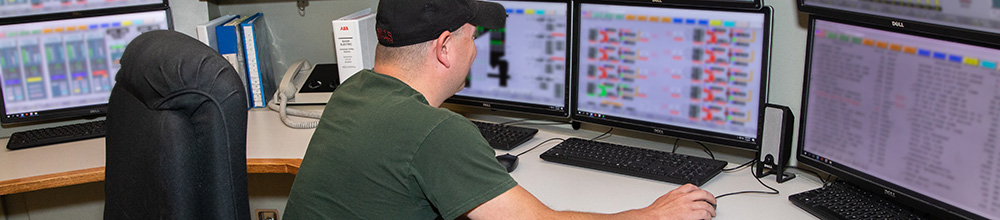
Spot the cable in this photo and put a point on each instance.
(744, 192)
(675, 145)
(513, 122)
(602, 135)
(707, 150)
(740, 166)
(813, 172)
(544, 123)
(539, 144)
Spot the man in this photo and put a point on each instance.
(384, 150)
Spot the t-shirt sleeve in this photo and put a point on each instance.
(457, 169)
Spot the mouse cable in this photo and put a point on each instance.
(740, 166)
(775, 191)
(602, 135)
(539, 144)
(813, 172)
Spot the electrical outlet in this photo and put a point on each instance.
(267, 214)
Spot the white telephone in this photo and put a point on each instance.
(304, 84)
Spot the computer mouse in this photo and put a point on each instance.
(706, 201)
(508, 161)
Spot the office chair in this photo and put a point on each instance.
(176, 138)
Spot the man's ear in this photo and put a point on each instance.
(441, 47)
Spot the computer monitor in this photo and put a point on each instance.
(910, 116)
(982, 15)
(735, 4)
(692, 73)
(523, 67)
(66, 68)
(18, 11)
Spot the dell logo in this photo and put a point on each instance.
(889, 193)
(897, 23)
(658, 131)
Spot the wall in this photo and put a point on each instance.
(788, 58)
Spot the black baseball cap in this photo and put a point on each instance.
(406, 22)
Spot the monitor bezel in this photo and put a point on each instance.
(83, 13)
(730, 4)
(523, 107)
(868, 182)
(968, 34)
(81, 112)
(670, 130)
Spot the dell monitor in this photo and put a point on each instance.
(523, 67)
(692, 73)
(978, 16)
(65, 68)
(907, 115)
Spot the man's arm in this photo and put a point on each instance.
(685, 202)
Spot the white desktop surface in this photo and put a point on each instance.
(566, 187)
(562, 187)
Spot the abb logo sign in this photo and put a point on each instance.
(344, 28)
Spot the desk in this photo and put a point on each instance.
(274, 148)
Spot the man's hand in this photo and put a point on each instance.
(685, 202)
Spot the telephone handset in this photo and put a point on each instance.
(307, 84)
(304, 84)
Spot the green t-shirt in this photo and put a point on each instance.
(381, 152)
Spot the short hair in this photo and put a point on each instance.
(409, 54)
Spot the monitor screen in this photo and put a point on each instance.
(65, 68)
(697, 74)
(523, 67)
(916, 116)
(978, 15)
(21, 8)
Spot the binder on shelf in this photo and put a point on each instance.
(206, 31)
(230, 42)
(258, 61)
(354, 42)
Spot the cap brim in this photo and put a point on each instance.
(490, 15)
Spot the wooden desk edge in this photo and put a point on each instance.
(91, 175)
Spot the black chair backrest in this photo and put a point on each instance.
(176, 138)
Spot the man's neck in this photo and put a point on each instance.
(415, 80)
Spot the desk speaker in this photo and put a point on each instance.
(776, 143)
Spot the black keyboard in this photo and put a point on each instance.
(842, 200)
(634, 161)
(504, 137)
(55, 135)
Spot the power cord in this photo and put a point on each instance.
(539, 144)
(752, 171)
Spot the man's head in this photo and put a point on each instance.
(406, 22)
(428, 44)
